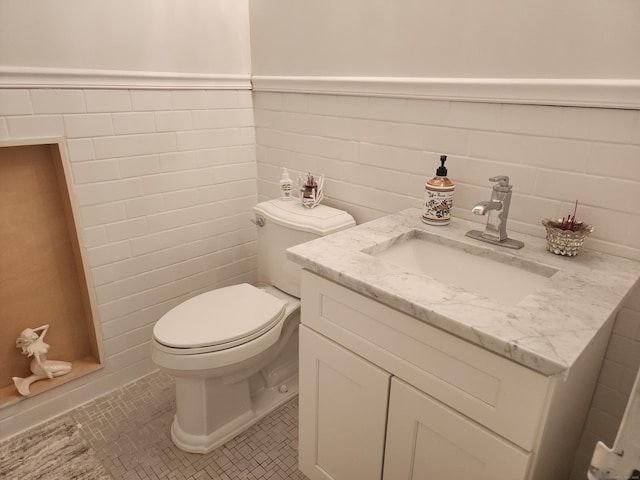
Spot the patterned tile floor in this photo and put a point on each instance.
(129, 429)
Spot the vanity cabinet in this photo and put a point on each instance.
(425, 440)
(343, 414)
(346, 403)
(385, 396)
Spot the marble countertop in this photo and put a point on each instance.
(546, 331)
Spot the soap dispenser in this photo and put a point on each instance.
(286, 185)
(438, 198)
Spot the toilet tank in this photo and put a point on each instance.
(285, 224)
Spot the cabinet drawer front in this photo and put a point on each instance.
(427, 440)
(343, 410)
(502, 395)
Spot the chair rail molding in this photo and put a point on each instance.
(36, 77)
(600, 93)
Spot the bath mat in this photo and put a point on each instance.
(55, 450)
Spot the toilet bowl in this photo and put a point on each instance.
(234, 351)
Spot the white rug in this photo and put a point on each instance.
(54, 451)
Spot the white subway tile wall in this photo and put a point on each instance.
(165, 182)
(377, 153)
(618, 373)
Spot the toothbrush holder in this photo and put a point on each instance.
(311, 190)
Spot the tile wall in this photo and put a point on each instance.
(378, 152)
(618, 373)
(164, 182)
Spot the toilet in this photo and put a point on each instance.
(234, 351)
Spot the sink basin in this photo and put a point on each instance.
(500, 277)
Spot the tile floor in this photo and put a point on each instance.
(129, 429)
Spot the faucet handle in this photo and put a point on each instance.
(503, 180)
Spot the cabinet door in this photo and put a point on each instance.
(427, 440)
(343, 408)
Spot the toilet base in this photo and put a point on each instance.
(189, 427)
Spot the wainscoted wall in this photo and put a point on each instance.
(164, 182)
(377, 153)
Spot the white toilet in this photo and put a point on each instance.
(234, 351)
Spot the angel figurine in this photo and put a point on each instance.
(33, 345)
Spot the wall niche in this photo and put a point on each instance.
(42, 277)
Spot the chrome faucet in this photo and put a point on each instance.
(498, 211)
(482, 208)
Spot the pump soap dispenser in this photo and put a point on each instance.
(438, 198)
(286, 185)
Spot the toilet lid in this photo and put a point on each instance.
(221, 318)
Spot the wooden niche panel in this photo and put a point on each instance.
(41, 276)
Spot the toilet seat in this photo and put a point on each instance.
(218, 320)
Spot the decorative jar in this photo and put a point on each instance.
(565, 242)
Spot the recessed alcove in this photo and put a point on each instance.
(42, 278)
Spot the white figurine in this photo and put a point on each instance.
(33, 345)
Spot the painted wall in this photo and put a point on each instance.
(198, 36)
(447, 38)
